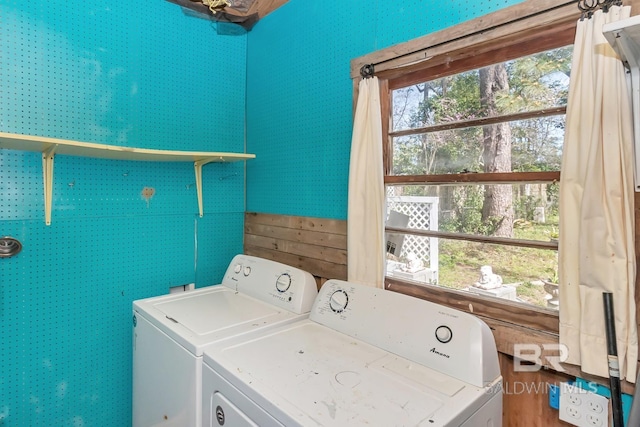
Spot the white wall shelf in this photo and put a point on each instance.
(624, 36)
(50, 147)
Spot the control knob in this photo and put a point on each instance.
(237, 268)
(339, 301)
(283, 283)
(247, 271)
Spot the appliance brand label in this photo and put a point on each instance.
(433, 350)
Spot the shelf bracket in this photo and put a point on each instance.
(198, 168)
(47, 176)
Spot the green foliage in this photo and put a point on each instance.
(552, 275)
(525, 207)
(553, 195)
(451, 99)
(465, 213)
(535, 82)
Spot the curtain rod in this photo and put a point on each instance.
(367, 70)
(589, 7)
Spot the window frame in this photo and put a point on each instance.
(527, 28)
(518, 44)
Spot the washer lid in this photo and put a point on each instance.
(306, 373)
(211, 312)
(205, 316)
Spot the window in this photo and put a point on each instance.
(473, 122)
(482, 148)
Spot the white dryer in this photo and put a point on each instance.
(170, 332)
(364, 357)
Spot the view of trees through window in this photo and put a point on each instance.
(506, 118)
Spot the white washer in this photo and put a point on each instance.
(365, 357)
(170, 332)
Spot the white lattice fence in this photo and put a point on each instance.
(423, 215)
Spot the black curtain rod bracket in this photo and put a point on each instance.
(589, 7)
(367, 71)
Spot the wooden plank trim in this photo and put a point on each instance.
(480, 122)
(264, 7)
(318, 268)
(510, 312)
(330, 240)
(530, 14)
(536, 244)
(526, 401)
(387, 142)
(336, 256)
(507, 335)
(316, 245)
(482, 53)
(476, 178)
(325, 225)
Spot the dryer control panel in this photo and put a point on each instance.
(278, 284)
(453, 342)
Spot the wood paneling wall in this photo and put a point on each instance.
(316, 245)
(526, 396)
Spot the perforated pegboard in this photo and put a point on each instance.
(67, 308)
(114, 73)
(148, 76)
(420, 17)
(299, 96)
(117, 73)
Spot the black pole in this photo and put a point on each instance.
(612, 356)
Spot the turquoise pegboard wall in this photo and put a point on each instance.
(299, 93)
(117, 73)
(66, 311)
(113, 73)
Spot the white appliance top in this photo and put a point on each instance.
(255, 293)
(366, 356)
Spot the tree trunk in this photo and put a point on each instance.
(498, 199)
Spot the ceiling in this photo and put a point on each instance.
(244, 13)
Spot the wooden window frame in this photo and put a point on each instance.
(530, 27)
(538, 22)
(517, 42)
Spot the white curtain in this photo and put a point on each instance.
(596, 250)
(365, 222)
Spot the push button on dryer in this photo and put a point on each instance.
(444, 334)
